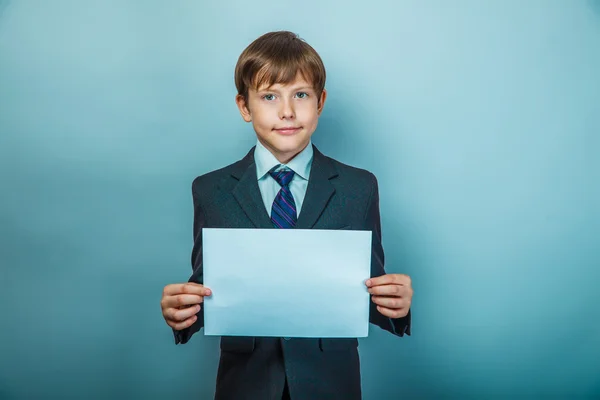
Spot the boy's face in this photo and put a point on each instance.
(284, 117)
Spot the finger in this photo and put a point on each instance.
(387, 279)
(186, 288)
(389, 302)
(182, 300)
(389, 290)
(185, 324)
(392, 313)
(181, 314)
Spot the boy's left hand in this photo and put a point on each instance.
(392, 293)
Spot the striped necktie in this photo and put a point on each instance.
(283, 212)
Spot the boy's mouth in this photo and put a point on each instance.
(287, 130)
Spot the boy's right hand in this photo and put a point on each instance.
(181, 302)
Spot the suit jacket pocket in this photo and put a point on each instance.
(331, 344)
(347, 227)
(237, 344)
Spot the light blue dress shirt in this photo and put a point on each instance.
(269, 187)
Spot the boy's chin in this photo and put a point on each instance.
(288, 144)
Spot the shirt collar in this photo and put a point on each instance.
(300, 164)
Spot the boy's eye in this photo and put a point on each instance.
(302, 95)
(269, 97)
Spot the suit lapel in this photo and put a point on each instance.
(318, 192)
(247, 193)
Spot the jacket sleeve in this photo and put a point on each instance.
(397, 326)
(184, 335)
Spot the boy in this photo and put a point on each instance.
(285, 182)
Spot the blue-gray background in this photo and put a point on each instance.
(480, 119)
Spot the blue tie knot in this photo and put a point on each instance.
(283, 177)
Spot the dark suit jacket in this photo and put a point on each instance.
(338, 197)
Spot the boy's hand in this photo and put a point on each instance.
(392, 293)
(181, 302)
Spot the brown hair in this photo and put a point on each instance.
(277, 57)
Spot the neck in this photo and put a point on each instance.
(284, 157)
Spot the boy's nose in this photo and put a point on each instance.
(286, 111)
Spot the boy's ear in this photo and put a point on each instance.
(321, 102)
(243, 106)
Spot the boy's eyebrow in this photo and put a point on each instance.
(293, 89)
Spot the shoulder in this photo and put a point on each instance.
(213, 177)
(216, 178)
(353, 176)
